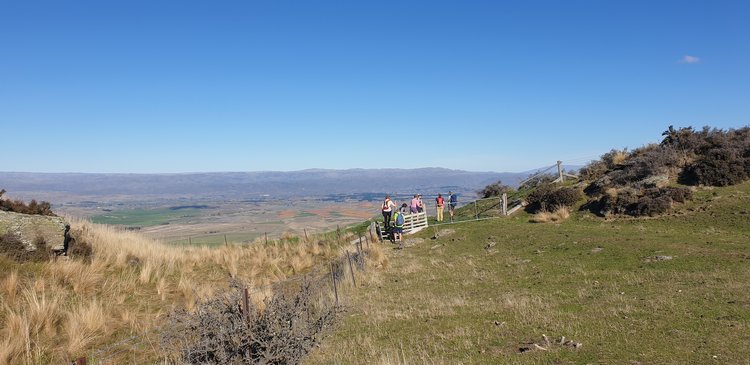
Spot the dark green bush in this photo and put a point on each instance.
(651, 206)
(636, 203)
(644, 162)
(547, 197)
(677, 194)
(718, 167)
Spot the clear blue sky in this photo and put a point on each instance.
(183, 86)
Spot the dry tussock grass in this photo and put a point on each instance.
(619, 158)
(67, 306)
(86, 323)
(9, 287)
(558, 215)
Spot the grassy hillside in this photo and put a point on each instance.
(668, 290)
(110, 308)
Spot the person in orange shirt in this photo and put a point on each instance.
(440, 202)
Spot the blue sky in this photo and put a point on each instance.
(160, 86)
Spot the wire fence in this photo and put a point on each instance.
(338, 273)
(328, 277)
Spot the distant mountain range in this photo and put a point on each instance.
(247, 185)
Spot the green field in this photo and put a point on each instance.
(146, 217)
(668, 290)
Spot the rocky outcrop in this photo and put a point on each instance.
(29, 228)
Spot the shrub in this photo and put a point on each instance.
(608, 161)
(685, 139)
(546, 197)
(496, 189)
(677, 194)
(80, 249)
(634, 202)
(218, 332)
(651, 206)
(12, 247)
(720, 166)
(645, 162)
(618, 202)
(18, 206)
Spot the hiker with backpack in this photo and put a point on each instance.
(398, 227)
(387, 208)
(453, 200)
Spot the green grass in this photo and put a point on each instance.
(145, 217)
(591, 280)
(215, 240)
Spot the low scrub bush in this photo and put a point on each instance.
(708, 156)
(608, 161)
(547, 197)
(645, 162)
(719, 167)
(648, 206)
(220, 332)
(636, 203)
(495, 189)
(12, 247)
(18, 206)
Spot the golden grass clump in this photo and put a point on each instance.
(619, 158)
(79, 276)
(558, 215)
(86, 323)
(9, 287)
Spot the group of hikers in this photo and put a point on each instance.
(393, 215)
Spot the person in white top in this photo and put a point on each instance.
(387, 208)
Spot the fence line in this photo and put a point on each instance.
(322, 269)
(417, 220)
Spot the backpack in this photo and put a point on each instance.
(399, 220)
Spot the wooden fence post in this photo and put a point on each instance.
(505, 203)
(560, 175)
(351, 269)
(306, 239)
(335, 290)
(245, 304)
(190, 240)
(266, 234)
(225, 241)
(476, 212)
